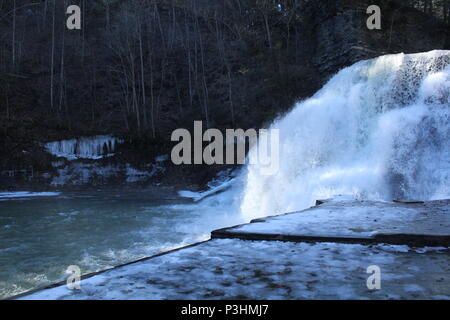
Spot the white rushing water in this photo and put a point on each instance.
(379, 129)
(95, 147)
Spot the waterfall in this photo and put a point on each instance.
(83, 148)
(377, 130)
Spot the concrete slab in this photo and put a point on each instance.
(238, 269)
(367, 222)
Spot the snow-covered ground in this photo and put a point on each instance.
(237, 269)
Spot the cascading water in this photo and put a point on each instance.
(379, 129)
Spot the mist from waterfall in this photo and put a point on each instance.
(378, 130)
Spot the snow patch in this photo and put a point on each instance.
(26, 194)
(223, 181)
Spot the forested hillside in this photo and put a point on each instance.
(140, 69)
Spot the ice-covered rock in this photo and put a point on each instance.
(95, 147)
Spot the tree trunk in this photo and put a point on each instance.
(13, 45)
(52, 72)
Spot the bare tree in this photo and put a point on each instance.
(52, 67)
(13, 44)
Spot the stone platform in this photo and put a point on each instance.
(319, 253)
(410, 223)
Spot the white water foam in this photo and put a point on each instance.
(377, 130)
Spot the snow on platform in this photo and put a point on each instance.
(239, 269)
(414, 223)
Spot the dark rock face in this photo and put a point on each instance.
(342, 37)
(202, 60)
